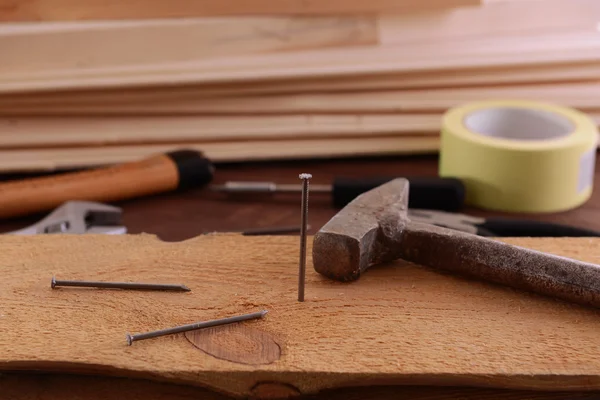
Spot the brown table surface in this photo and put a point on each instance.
(178, 216)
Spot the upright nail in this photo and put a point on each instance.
(119, 285)
(304, 216)
(194, 326)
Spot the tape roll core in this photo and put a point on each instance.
(520, 156)
(518, 124)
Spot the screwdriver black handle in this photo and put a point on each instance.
(528, 228)
(445, 194)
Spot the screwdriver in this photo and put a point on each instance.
(176, 170)
(433, 193)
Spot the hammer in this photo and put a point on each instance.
(374, 229)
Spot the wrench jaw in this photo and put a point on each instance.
(107, 222)
(78, 217)
(107, 230)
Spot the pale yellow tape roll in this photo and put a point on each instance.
(520, 156)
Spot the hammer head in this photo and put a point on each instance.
(367, 231)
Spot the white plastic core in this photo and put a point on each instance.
(518, 124)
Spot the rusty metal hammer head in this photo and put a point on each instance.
(364, 233)
(374, 229)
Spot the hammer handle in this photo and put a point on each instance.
(502, 263)
(156, 174)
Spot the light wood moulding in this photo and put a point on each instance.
(490, 20)
(66, 10)
(583, 96)
(487, 77)
(334, 62)
(51, 159)
(93, 131)
(35, 48)
(95, 44)
(400, 324)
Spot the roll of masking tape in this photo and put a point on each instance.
(520, 156)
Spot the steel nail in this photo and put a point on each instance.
(119, 285)
(194, 326)
(304, 216)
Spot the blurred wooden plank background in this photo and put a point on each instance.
(268, 80)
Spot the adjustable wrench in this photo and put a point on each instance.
(78, 217)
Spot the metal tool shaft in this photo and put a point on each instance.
(266, 187)
(502, 263)
(119, 285)
(304, 221)
(194, 326)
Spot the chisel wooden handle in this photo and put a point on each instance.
(161, 173)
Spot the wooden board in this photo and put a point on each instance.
(142, 44)
(63, 10)
(98, 130)
(110, 43)
(57, 158)
(44, 132)
(583, 96)
(470, 54)
(400, 324)
(526, 18)
(540, 74)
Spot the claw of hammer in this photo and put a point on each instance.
(374, 229)
(78, 217)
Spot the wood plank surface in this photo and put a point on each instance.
(60, 158)
(123, 130)
(110, 44)
(467, 54)
(489, 20)
(583, 96)
(95, 44)
(66, 10)
(399, 324)
(44, 147)
(537, 74)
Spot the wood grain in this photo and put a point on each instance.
(582, 96)
(94, 44)
(50, 159)
(399, 324)
(110, 44)
(237, 343)
(488, 20)
(466, 54)
(64, 10)
(537, 74)
(38, 132)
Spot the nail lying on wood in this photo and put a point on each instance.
(194, 326)
(119, 285)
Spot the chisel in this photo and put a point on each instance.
(446, 194)
(176, 170)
